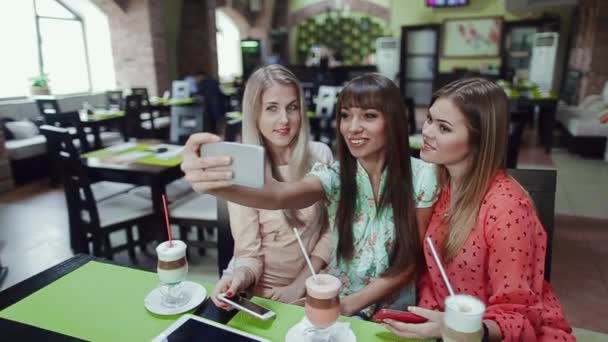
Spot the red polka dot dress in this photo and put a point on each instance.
(502, 264)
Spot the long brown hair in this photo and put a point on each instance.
(374, 91)
(301, 159)
(485, 108)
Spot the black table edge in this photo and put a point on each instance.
(36, 282)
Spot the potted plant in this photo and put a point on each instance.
(39, 85)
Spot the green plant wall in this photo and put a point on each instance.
(353, 35)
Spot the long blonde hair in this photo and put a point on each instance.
(301, 160)
(485, 108)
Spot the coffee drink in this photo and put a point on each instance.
(322, 305)
(172, 270)
(463, 319)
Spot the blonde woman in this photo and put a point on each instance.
(268, 259)
(493, 244)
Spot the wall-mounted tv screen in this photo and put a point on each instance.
(446, 3)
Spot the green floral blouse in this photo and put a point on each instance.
(373, 235)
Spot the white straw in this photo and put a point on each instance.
(295, 230)
(438, 262)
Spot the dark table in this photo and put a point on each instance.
(154, 176)
(96, 121)
(24, 332)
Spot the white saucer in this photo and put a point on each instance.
(296, 333)
(197, 295)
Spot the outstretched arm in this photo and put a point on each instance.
(274, 195)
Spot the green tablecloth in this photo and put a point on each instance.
(288, 315)
(150, 159)
(104, 302)
(171, 102)
(96, 302)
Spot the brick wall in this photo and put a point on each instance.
(138, 43)
(196, 43)
(590, 47)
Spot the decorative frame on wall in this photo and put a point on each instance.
(353, 36)
(472, 37)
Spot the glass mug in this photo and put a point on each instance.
(172, 270)
(322, 306)
(462, 319)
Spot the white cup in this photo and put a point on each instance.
(463, 319)
(172, 269)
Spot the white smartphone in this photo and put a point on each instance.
(247, 161)
(247, 306)
(194, 328)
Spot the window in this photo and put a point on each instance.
(68, 40)
(227, 40)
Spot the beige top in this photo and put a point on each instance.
(271, 251)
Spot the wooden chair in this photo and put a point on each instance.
(205, 212)
(541, 185)
(133, 117)
(141, 91)
(114, 99)
(91, 221)
(71, 121)
(47, 105)
(411, 115)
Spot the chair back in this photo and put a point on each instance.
(82, 210)
(517, 123)
(411, 115)
(180, 90)
(541, 185)
(47, 106)
(326, 101)
(133, 117)
(186, 120)
(143, 92)
(114, 99)
(225, 242)
(67, 120)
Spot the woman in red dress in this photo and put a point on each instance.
(484, 224)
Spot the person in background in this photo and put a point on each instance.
(377, 195)
(484, 224)
(214, 101)
(267, 257)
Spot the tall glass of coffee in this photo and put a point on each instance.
(172, 270)
(322, 304)
(463, 319)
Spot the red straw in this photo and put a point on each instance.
(167, 220)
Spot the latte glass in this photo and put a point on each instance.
(172, 270)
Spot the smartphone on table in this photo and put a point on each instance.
(240, 302)
(247, 162)
(401, 316)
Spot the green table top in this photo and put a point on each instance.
(288, 315)
(150, 159)
(96, 302)
(105, 302)
(171, 102)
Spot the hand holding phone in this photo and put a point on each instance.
(244, 304)
(401, 316)
(247, 162)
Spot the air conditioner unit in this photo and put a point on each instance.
(387, 56)
(544, 58)
(529, 5)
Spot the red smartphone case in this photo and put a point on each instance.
(401, 316)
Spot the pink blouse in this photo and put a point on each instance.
(502, 263)
(264, 242)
